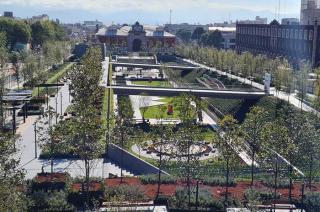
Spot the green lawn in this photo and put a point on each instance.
(153, 83)
(54, 78)
(155, 112)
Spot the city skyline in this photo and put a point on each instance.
(152, 12)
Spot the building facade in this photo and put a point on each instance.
(136, 38)
(295, 42)
(310, 11)
(228, 36)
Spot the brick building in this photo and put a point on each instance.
(295, 42)
(137, 38)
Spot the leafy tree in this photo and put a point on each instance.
(3, 40)
(184, 35)
(197, 33)
(162, 137)
(228, 142)
(212, 39)
(46, 31)
(278, 146)
(11, 197)
(87, 132)
(186, 137)
(252, 128)
(15, 30)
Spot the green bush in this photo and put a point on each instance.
(263, 195)
(50, 201)
(218, 181)
(312, 201)
(281, 183)
(153, 179)
(125, 193)
(205, 200)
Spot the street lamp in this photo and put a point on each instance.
(35, 140)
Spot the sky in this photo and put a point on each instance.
(152, 11)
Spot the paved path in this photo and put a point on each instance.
(281, 95)
(32, 165)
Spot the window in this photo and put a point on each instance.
(296, 34)
(288, 33)
(311, 35)
(305, 35)
(301, 34)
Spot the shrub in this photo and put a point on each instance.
(263, 195)
(312, 201)
(125, 193)
(50, 201)
(205, 200)
(153, 179)
(218, 181)
(281, 183)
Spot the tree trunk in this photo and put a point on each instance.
(188, 177)
(159, 174)
(290, 184)
(121, 162)
(87, 168)
(227, 182)
(252, 167)
(275, 185)
(310, 171)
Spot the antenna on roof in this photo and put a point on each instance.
(279, 10)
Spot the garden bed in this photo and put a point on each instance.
(237, 191)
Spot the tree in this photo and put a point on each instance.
(197, 33)
(46, 31)
(186, 137)
(15, 30)
(184, 35)
(252, 128)
(212, 39)
(87, 133)
(11, 198)
(278, 146)
(144, 103)
(162, 136)
(3, 40)
(228, 143)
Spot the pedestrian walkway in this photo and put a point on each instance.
(279, 94)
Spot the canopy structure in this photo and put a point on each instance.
(16, 100)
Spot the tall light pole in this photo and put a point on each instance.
(35, 140)
(61, 103)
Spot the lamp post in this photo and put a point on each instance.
(61, 103)
(35, 140)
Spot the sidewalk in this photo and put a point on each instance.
(281, 95)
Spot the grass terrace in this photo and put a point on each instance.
(152, 83)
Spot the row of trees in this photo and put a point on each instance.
(254, 67)
(290, 140)
(83, 133)
(24, 31)
(200, 36)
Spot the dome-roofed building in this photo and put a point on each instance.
(137, 38)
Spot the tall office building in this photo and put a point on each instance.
(310, 12)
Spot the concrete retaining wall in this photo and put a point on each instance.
(130, 162)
